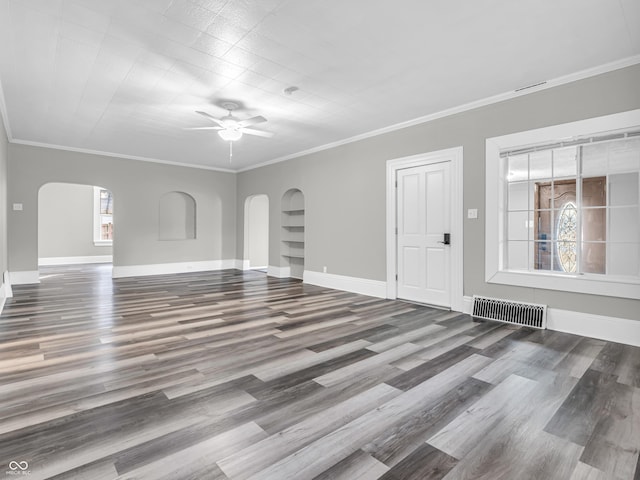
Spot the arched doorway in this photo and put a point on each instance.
(256, 232)
(75, 224)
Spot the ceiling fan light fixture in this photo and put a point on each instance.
(230, 135)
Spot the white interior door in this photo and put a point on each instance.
(423, 218)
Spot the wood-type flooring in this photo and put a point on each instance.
(236, 375)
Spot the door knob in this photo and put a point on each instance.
(447, 239)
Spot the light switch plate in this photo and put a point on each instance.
(17, 207)
(472, 213)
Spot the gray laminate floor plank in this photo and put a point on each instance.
(357, 466)
(614, 444)
(578, 416)
(261, 455)
(231, 374)
(323, 453)
(424, 463)
(400, 440)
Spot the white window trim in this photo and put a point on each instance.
(495, 207)
(97, 241)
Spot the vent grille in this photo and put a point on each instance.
(517, 313)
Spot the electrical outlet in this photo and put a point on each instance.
(324, 269)
(472, 213)
(17, 207)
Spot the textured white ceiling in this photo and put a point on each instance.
(126, 76)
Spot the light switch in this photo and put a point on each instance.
(17, 207)
(472, 213)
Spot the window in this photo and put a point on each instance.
(103, 216)
(560, 215)
(563, 207)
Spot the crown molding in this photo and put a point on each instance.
(118, 155)
(544, 85)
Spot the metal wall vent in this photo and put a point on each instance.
(517, 313)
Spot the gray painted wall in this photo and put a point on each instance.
(3, 199)
(137, 187)
(344, 187)
(65, 221)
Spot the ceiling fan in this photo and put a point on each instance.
(230, 128)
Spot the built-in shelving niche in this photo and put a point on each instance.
(292, 249)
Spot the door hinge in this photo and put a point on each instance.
(396, 230)
(396, 183)
(396, 277)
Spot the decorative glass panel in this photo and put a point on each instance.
(566, 235)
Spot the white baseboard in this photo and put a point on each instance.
(279, 272)
(611, 329)
(166, 268)
(364, 286)
(467, 304)
(75, 260)
(246, 265)
(238, 264)
(5, 289)
(7, 292)
(23, 278)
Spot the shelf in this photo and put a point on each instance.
(292, 234)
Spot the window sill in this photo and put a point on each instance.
(586, 284)
(103, 243)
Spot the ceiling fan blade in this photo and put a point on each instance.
(258, 133)
(252, 121)
(211, 117)
(203, 128)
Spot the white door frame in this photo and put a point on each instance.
(454, 155)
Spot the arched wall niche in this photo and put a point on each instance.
(177, 216)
